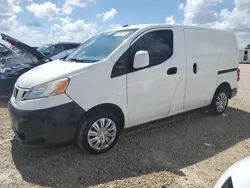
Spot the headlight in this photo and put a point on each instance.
(48, 89)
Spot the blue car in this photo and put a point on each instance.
(62, 55)
(51, 50)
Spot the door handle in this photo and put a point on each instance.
(172, 70)
(195, 68)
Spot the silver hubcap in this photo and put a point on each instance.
(221, 102)
(101, 133)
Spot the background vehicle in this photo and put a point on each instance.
(244, 56)
(237, 176)
(23, 58)
(62, 55)
(53, 49)
(122, 78)
(4, 50)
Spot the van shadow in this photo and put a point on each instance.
(166, 145)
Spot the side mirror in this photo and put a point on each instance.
(141, 59)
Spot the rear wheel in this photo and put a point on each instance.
(98, 133)
(220, 102)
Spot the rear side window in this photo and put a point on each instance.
(57, 49)
(53, 50)
(75, 45)
(159, 45)
(70, 46)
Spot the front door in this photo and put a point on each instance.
(150, 89)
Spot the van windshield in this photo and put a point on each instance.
(100, 46)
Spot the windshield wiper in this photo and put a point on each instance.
(82, 60)
(76, 60)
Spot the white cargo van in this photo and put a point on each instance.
(122, 78)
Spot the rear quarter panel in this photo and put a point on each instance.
(227, 57)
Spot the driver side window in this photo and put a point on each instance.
(159, 45)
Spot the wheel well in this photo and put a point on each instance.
(224, 85)
(108, 107)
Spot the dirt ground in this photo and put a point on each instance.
(189, 150)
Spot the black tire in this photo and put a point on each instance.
(214, 107)
(82, 132)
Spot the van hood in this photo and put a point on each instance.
(50, 71)
(24, 47)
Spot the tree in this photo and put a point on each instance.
(248, 46)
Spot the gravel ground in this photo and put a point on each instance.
(189, 150)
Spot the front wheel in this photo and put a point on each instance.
(220, 102)
(98, 133)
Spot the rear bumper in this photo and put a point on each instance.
(46, 127)
(233, 92)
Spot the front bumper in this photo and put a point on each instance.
(46, 127)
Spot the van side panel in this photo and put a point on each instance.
(96, 87)
(227, 58)
(177, 102)
(202, 67)
(150, 90)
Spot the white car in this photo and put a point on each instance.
(122, 78)
(237, 176)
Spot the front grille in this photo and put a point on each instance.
(24, 94)
(19, 93)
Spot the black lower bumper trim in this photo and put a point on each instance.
(233, 92)
(46, 127)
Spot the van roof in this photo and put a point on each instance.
(151, 26)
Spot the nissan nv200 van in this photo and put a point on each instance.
(122, 78)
